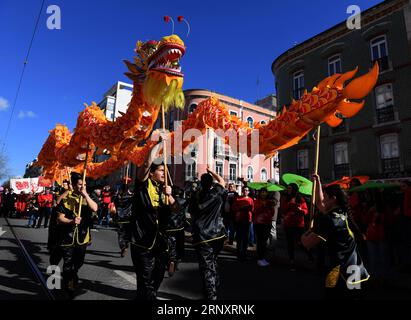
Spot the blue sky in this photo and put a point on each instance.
(231, 45)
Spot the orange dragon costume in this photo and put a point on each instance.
(158, 80)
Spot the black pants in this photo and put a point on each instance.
(122, 235)
(44, 212)
(262, 232)
(53, 231)
(73, 260)
(293, 236)
(207, 254)
(242, 231)
(149, 266)
(176, 245)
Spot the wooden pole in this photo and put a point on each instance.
(164, 152)
(127, 168)
(317, 156)
(84, 178)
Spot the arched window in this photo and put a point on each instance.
(192, 107)
(250, 122)
(263, 175)
(250, 174)
(263, 122)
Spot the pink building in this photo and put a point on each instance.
(219, 156)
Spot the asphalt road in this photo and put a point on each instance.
(107, 276)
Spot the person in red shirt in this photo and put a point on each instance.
(262, 216)
(293, 209)
(45, 201)
(21, 204)
(242, 209)
(105, 212)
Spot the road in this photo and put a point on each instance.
(107, 276)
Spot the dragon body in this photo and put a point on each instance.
(157, 80)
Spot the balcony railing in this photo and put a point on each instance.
(383, 63)
(391, 165)
(385, 114)
(341, 170)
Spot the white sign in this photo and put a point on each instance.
(27, 185)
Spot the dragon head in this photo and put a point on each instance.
(157, 69)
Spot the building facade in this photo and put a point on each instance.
(376, 141)
(220, 157)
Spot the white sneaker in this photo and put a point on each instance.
(263, 263)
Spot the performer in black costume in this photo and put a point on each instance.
(208, 229)
(346, 271)
(74, 231)
(150, 213)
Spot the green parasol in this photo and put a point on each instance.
(271, 187)
(305, 186)
(375, 185)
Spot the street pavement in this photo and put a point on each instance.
(107, 276)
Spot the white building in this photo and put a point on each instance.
(116, 100)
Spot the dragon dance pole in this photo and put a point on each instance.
(164, 151)
(84, 178)
(128, 164)
(317, 156)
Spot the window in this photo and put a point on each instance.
(298, 84)
(302, 162)
(389, 146)
(250, 122)
(219, 168)
(341, 162)
(233, 172)
(263, 122)
(233, 113)
(191, 171)
(218, 146)
(341, 153)
(193, 150)
(385, 103)
(334, 65)
(379, 52)
(250, 174)
(192, 107)
(263, 174)
(302, 159)
(390, 155)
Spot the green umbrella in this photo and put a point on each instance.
(268, 185)
(375, 185)
(305, 186)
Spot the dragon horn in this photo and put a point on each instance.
(349, 109)
(360, 87)
(339, 83)
(329, 81)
